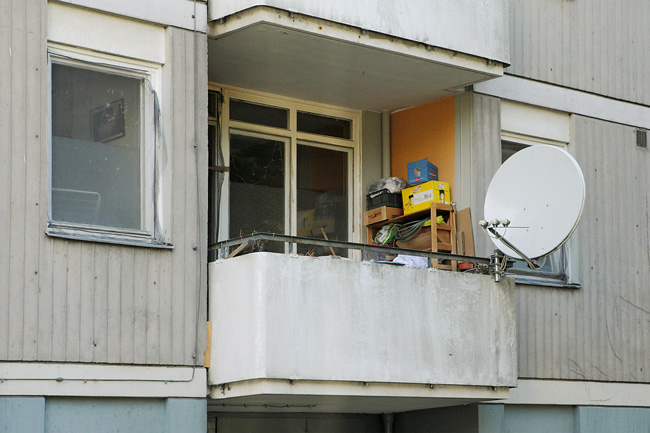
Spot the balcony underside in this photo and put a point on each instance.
(317, 60)
(342, 335)
(272, 395)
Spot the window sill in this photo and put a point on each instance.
(105, 236)
(543, 282)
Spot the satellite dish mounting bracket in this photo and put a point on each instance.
(506, 242)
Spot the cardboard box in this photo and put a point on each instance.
(419, 197)
(421, 171)
(421, 242)
(379, 214)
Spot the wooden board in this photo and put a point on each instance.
(465, 236)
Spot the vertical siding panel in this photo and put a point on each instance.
(73, 300)
(179, 154)
(556, 55)
(153, 314)
(596, 46)
(87, 298)
(620, 51)
(46, 246)
(100, 305)
(18, 182)
(540, 64)
(59, 304)
(624, 182)
(127, 305)
(644, 250)
(564, 63)
(598, 313)
(45, 299)
(33, 93)
(140, 283)
(202, 253)
(191, 228)
(165, 307)
(589, 213)
(113, 316)
(6, 42)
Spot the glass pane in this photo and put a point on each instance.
(96, 149)
(257, 189)
(212, 103)
(258, 114)
(322, 196)
(509, 148)
(552, 265)
(324, 125)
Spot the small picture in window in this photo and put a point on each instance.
(107, 122)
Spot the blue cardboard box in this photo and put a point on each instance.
(421, 171)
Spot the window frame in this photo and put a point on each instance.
(152, 232)
(295, 138)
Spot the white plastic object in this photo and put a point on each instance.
(541, 190)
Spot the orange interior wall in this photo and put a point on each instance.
(425, 131)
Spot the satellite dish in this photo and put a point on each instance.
(534, 202)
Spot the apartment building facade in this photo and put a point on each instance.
(137, 136)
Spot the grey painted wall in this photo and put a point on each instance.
(599, 46)
(602, 331)
(22, 415)
(477, 156)
(64, 300)
(102, 415)
(370, 153)
(569, 419)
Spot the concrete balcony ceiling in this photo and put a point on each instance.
(337, 335)
(316, 59)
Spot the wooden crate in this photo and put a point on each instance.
(380, 214)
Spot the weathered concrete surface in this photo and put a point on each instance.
(292, 317)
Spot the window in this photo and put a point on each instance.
(554, 268)
(290, 169)
(525, 125)
(102, 150)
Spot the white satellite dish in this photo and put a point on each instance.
(539, 194)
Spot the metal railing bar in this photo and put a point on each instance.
(364, 248)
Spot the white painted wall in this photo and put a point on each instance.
(105, 33)
(477, 27)
(176, 13)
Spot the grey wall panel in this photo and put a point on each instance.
(73, 301)
(598, 46)
(22, 89)
(371, 158)
(601, 331)
(24, 415)
(478, 156)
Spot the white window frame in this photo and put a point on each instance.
(152, 232)
(294, 138)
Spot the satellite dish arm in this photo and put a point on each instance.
(500, 237)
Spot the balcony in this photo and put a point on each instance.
(326, 334)
(367, 55)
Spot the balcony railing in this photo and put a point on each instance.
(225, 247)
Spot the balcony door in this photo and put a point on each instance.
(291, 169)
